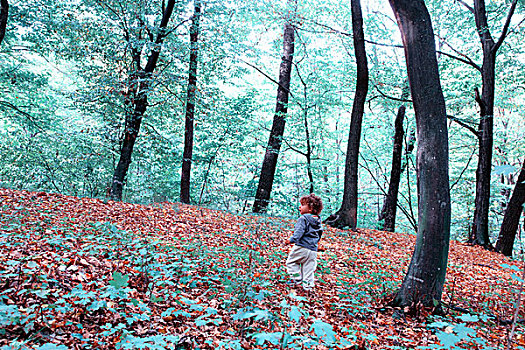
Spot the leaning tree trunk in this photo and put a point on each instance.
(4, 11)
(479, 234)
(264, 189)
(424, 280)
(190, 107)
(140, 82)
(388, 213)
(346, 216)
(511, 219)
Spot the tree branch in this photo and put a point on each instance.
(466, 61)
(391, 97)
(25, 114)
(505, 26)
(470, 8)
(266, 75)
(463, 171)
(464, 124)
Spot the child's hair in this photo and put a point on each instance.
(315, 203)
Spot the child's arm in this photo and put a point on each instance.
(300, 228)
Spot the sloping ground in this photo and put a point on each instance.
(82, 273)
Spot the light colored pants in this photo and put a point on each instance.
(301, 264)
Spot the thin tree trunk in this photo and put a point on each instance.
(190, 106)
(511, 219)
(264, 188)
(346, 216)
(424, 280)
(480, 228)
(308, 154)
(4, 12)
(388, 213)
(140, 84)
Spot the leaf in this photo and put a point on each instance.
(295, 314)
(439, 324)
(516, 278)
(468, 318)
(463, 331)
(512, 267)
(448, 340)
(258, 313)
(50, 346)
(272, 338)
(505, 169)
(324, 331)
(119, 280)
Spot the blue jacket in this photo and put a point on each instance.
(308, 232)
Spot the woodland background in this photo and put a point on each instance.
(65, 84)
(128, 104)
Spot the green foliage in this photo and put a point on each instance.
(452, 335)
(66, 70)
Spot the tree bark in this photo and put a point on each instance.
(479, 234)
(388, 213)
(4, 12)
(264, 188)
(424, 280)
(137, 103)
(511, 219)
(190, 106)
(346, 216)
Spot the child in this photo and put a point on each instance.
(302, 259)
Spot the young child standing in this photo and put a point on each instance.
(302, 259)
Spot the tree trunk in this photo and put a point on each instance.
(4, 11)
(511, 220)
(264, 189)
(140, 82)
(424, 280)
(480, 228)
(190, 106)
(346, 216)
(388, 213)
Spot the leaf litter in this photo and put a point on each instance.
(81, 273)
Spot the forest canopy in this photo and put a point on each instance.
(83, 81)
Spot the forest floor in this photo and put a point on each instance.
(80, 273)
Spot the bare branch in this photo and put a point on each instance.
(383, 44)
(21, 112)
(266, 75)
(474, 149)
(466, 61)
(470, 8)
(505, 26)
(464, 124)
(391, 97)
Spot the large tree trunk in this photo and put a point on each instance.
(388, 213)
(424, 280)
(4, 11)
(264, 189)
(140, 83)
(346, 216)
(190, 106)
(511, 220)
(480, 228)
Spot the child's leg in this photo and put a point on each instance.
(309, 267)
(296, 257)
